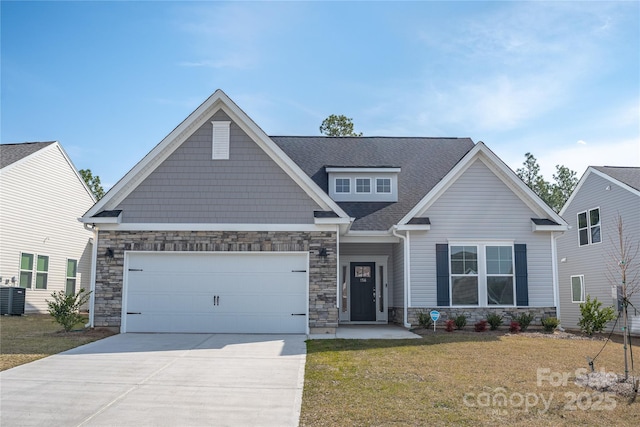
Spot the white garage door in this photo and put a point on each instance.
(215, 293)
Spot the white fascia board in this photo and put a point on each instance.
(101, 220)
(368, 237)
(502, 171)
(215, 227)
(362, 170)
(413, 227)
(535, 227)
(332, 220)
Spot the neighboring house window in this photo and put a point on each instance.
(482, 275)
(42, 272)
(343, 185)
(589, 227)
(220, 140)
(27, 265)
(577, 288)
(72, 271)
(383, 185)
(26, 270)
(363, 185)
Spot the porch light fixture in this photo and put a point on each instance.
(109, 255)
(322, 252)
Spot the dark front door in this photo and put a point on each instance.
(363, 291)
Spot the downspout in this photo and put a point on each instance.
(554, 267)
(394, 230)
(94, 260)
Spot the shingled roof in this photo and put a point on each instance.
(626, 175)
(11, 153)
(423, 162)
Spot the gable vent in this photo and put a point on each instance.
(220, 141)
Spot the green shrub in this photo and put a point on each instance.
(550, 324)
(460, 321)
(494, 321)
(524, 320)
(65, 308)
(593, 318)
(424, 320)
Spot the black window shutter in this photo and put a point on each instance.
(522, 280)
(442, 274)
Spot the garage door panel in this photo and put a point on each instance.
(243, 293)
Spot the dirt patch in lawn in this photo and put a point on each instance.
(30, 337)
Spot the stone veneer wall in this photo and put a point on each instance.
(323, 314)
(473, 315)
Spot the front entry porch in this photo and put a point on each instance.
(364, 289)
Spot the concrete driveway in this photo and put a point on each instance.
(161, 380)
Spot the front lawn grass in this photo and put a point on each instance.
(459, 378)
(26, 338)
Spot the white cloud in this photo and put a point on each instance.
(581, 142)
(597, 153)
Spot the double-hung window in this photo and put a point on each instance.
(72, 271)
(589, 227)
(27, 264)
(26, 270)
(482, 274)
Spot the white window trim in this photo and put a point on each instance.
(66, 273)
(390, 185)
(220, 140)
(335, 185)
(34, 271)
(363, 179)
(589, 226)
(482, 272)
(582, 288)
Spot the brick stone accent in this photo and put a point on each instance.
(473, 315)
(323, 314)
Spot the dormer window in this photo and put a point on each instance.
(363, 185)
(343, 185)
(383, 185)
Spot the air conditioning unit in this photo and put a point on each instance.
(12, 300)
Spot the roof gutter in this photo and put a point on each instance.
(404, 238)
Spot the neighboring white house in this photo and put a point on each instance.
(43, 246)
(587, 251)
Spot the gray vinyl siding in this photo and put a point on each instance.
(479, 206)
(190, 187)
(41, 199)
(384, 249)
(593, 261)
(398, 276)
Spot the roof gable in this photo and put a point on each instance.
(216, 102)
(624, 177)
(502, 171)
(12, 153)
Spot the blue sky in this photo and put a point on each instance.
(109, 80)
